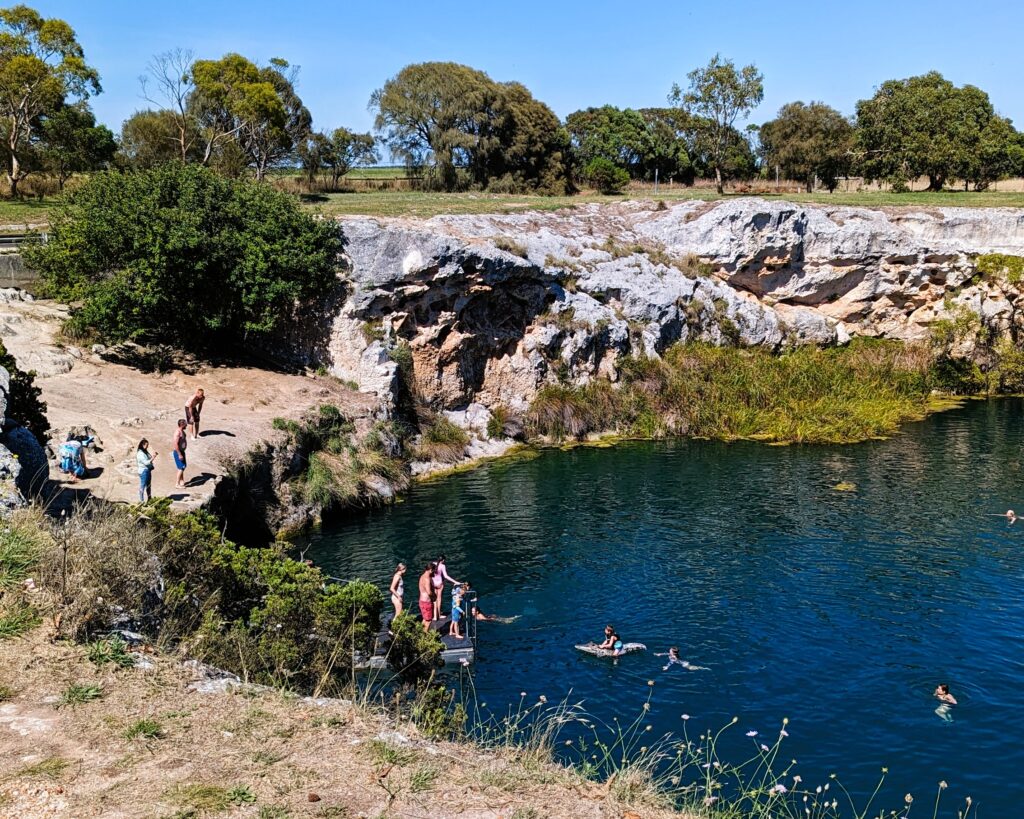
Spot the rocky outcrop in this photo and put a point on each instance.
(23, 467)
(493, 307)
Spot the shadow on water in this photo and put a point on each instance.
(841, 610)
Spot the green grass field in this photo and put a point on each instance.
(18, 214)
(424, 204)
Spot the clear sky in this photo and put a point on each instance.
(571, 55)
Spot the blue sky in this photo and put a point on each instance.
(571, 54)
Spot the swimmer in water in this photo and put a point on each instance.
(1011, 516)
(674, 659)
(946, 702)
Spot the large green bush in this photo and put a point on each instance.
(255, 611)
(179, 254)
(606, 176)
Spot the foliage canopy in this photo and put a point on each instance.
(182, 255)
(808, 141)
(926, 126)
(466, 130)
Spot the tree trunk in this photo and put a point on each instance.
(810, 184)
(935, 182)
(14, 174)
(718, 179)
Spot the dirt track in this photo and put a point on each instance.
(123, 404)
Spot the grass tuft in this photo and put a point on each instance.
(16, 619)
(199, 798)
(442, 441)
(77, 694)
(52, 767)
(112, 650)
(144, 729)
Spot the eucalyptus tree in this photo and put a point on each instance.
(807, 142)
(42, 68)
(718, 96)
(464, 129)
(71, 142)
(927, 126)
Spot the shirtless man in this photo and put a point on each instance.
(192, 410)
(427, 595)
(180, 444)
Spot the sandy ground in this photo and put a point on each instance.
(124, 405)
(280, 757)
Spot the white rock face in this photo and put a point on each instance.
(493, 307)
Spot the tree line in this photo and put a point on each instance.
(456, 128)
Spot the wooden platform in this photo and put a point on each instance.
(456, 651)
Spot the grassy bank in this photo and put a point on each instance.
(808, 395)
(425, 204)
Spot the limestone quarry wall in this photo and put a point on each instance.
(493, 307)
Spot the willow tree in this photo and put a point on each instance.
(718, 95)
(42, 67)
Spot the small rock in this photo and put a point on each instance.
(313, 797)
(98, 349)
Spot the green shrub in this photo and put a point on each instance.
(442, 441)
(496, 423)
(257, 612)
(414, 653)
(436, 713)
(24, 404)
(279, 623)
(182, 255)
(1001, 265)
(606, 176)
(1010, 368)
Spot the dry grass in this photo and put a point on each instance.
(248, 752)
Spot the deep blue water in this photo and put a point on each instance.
(838, 610)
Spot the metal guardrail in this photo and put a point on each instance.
(18, 239)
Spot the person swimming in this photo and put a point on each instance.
(674, 659)
(946, 702)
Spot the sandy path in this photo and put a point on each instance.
(123, 405)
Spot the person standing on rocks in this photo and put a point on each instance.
(144, 461)
(398, 589)
(427, 595)
(180, 443)
(192, 410)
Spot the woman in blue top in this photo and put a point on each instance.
(144, 462)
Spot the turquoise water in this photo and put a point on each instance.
(838, 610)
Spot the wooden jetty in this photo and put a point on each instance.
(456, 651)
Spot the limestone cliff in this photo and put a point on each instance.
(493, 307)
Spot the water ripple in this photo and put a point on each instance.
(839, 609)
